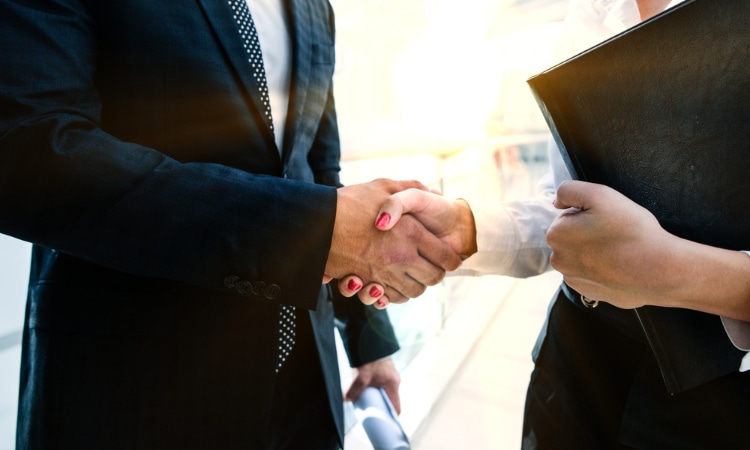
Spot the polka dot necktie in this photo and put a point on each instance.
(249, 35)
(241, 13)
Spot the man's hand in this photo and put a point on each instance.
(379, 374)
(450, 220)
(404, 261)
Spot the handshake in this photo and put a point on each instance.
(395, 238)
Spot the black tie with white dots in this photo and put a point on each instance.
(241, 13)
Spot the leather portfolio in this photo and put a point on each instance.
(661, 113)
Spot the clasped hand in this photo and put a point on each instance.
(416, 237)
(606, 246)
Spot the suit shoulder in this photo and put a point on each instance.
(323, 10)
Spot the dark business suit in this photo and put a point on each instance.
(167, 227)
(597, 384)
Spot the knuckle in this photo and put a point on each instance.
(554, 261)
(411, 228)
(453, 262)
(419, 290)
(435, 277)
(397, 298)
(552, 236)
(441, 275)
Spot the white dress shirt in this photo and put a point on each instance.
(276, 46)
(511, 236)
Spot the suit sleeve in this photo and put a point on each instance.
(325, 155)
(67, 184)
(367, 332)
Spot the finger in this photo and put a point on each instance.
(415, 271)
(327, 279)
(437, 252)
(350, 285)
(423, 273)
(403, 185)
(574, 194)
(380, 297)
(395, 296)
(355, 389)
(585, 288)
(559, 240)
(382, 302)
(404, 287)
(391, 389)
(399, 204)
(371, 293)
(573, 282)
(389, 213)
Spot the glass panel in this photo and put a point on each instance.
(435, 90)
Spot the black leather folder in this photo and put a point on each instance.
(661, 113)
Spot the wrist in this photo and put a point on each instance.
(466, 228)
(715, 281)
(336, 258)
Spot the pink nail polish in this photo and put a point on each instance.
(383, 220)
(375, 292)
(381, 303)
(353, 285)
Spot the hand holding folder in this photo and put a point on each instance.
(660, 114)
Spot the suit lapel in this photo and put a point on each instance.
(220, 17)
(302, 37)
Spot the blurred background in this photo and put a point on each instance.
(433, 90)
(436, 90)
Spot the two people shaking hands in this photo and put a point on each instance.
(606, 246)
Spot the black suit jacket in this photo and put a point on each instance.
(167, 227)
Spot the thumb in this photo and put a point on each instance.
(355, 389)
(391, 391)
(398, 204)
(573, 194)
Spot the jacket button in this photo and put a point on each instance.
(272, 291)
(258, 287)
(231, 281)
(244, 288)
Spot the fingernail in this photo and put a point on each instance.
(353, 285)
(383, 220)
(375, 292)
(382, 303)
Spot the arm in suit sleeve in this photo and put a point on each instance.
(67, 184)
(367, 332)
(325, 155)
